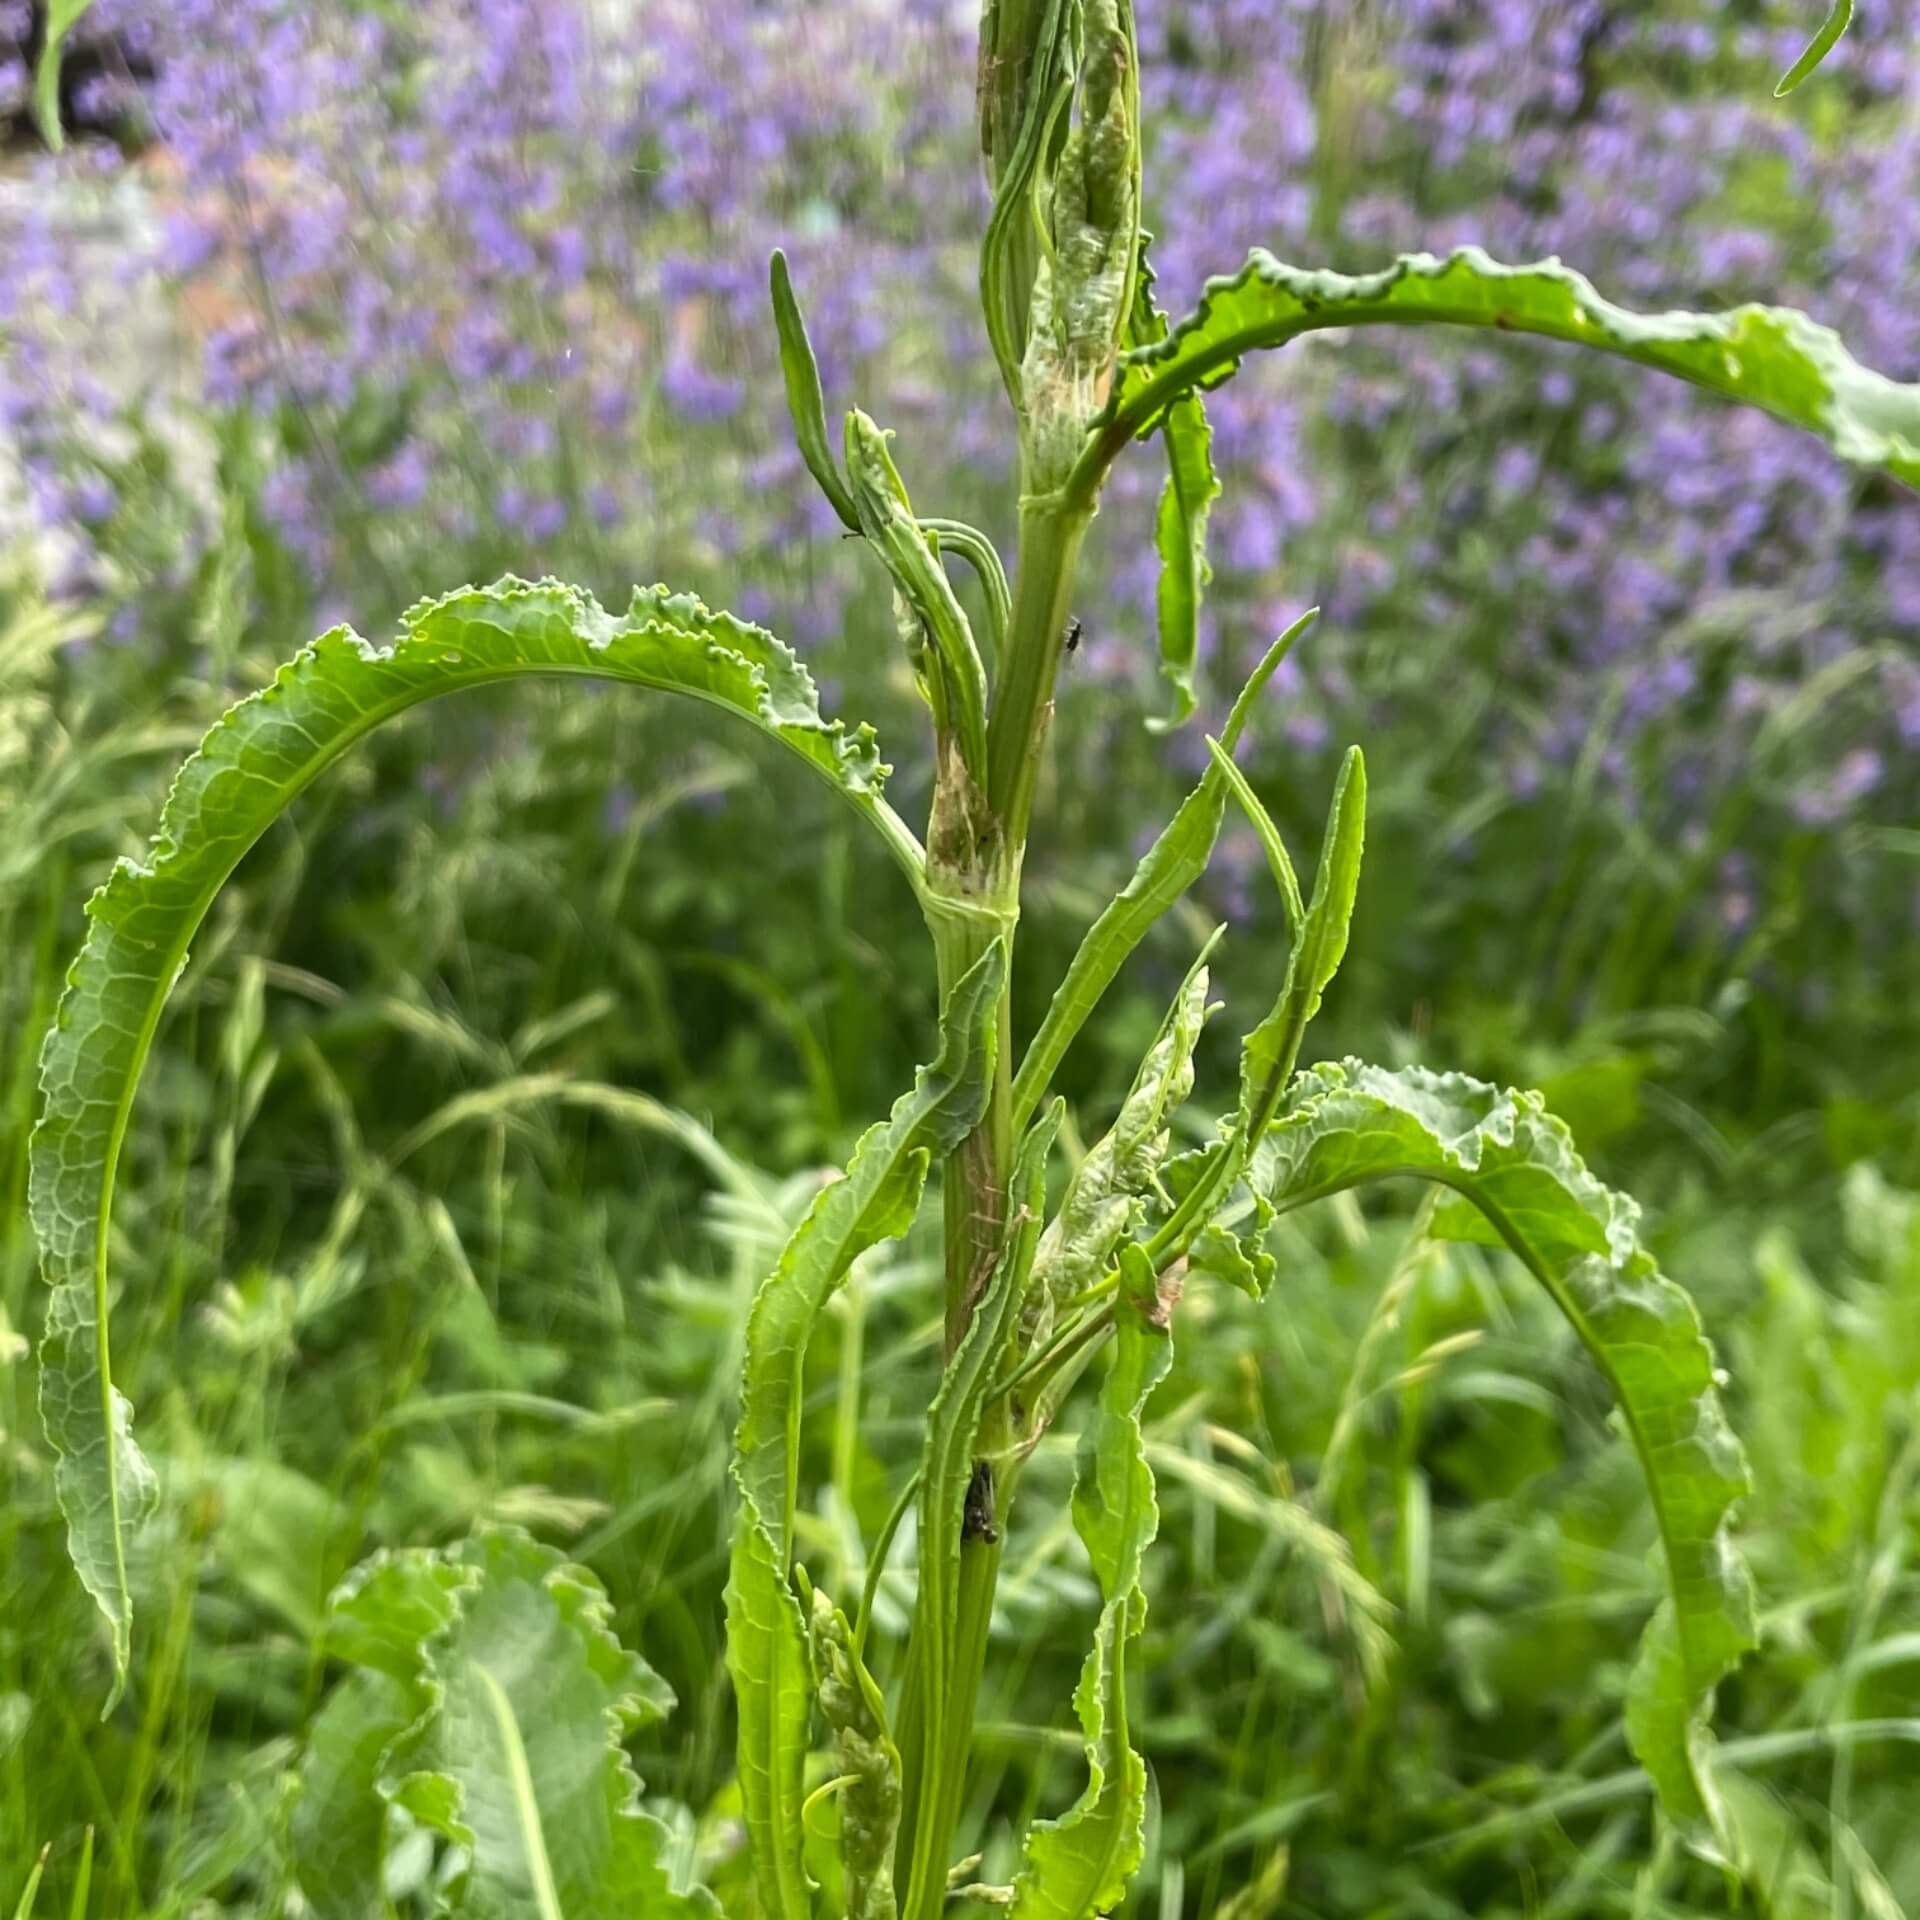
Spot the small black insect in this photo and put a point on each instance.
(1073, 633)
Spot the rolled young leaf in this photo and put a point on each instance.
(62, 17)
(806, 402)
(262, 754)
(874, 1200)
(1180, 534)
(1081, 1863)
(1520, 1184)
(1769, 357)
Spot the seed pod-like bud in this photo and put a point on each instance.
(1083, 286)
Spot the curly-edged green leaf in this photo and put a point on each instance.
(254, 762)
(1109, 1188)
(1516, 1181)
(1823, 43)
(62, 17)
(766, 1631)
(495, 1711)
(1768, 357)
(1167, 869)
(1080, 1864)
(338, 1828)
(806, 402)
(1180, 535)
(958, 1494)
(869, 1763)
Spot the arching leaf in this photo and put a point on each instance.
(262, 754)
(1517, 1182)
(1838, 19)
(766, 1630)
(1081, 1863)
(1769, 357)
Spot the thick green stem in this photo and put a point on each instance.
(967, 909)
(1051, 531)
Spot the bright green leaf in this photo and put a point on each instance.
(1168, 868)
(766, 1632)
(1823, 43)
(493, 1702)
(806, 402)
(1517, 1182)
(1080, 1864)
(1769, 357)
(248, 769)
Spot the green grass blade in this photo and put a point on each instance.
(1081, 1863)
(766, 1631)
(1516, 1181)
(31, 1891)
(249, 768)
(1823, 43)
(1167, 869)
(1768, 357)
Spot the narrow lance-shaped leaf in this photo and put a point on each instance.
(1520, 1184)
(957, 1490)
(1768, 357)
(1823, 43)
(1180, 534)
(1203, 1177)
(521, 1701)
(1168, 868)
(806, 402)
(254, 762)
(1081, 1864)
(766, 1632)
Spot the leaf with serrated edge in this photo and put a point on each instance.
(1110, 1185)
(521, 1703)
(1517, 1181)
(1769, 357)
(1167, 869)
(766, 1632)
(1081, 1863)
(262, 754)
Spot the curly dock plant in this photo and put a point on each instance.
(484, 1694)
